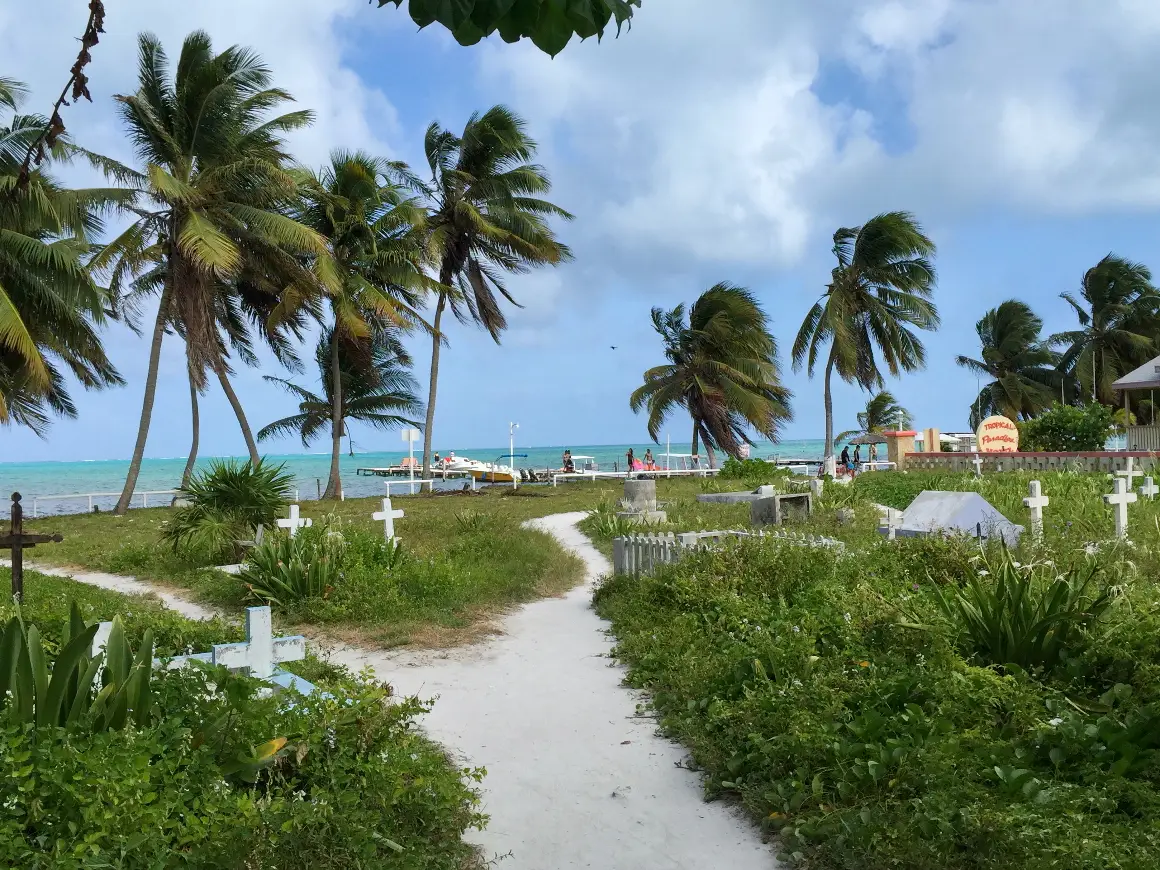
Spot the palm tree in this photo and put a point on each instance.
(1020, 367)
(1119, 317)
(882, 414)
(879, 290)
(376, 388)
(484, 218)
(375, 247)
(209, 204)
(722, 370)
(49, 305)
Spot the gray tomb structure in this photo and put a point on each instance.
(774, 510)
(639, 504)
(957, 513)
(737, 497)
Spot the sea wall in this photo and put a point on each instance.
(1104, 460)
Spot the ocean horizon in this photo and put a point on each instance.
(41, 483)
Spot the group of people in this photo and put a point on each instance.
(851, 465)
(647, 464)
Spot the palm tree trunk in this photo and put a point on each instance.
(251, 445)
(829, 401)
(334, 484)
(436, 342)
(696, 432)
(146, 403)
(196, 427)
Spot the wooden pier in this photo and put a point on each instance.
(405, 471)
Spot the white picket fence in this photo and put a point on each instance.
(641, 554)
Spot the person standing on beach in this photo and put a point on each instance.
(844, 460)
(630, 458)
(857, 455)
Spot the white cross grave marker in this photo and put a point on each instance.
(1149, 489)
(1130, 473)
(261, 651)
(978, 463)
(1120, 501)
(1036, 501)
(891, 523)
(295, 522)
(387, 517)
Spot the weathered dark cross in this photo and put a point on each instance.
(17, 540)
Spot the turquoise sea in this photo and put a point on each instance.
(41, 480)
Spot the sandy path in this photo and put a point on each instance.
(575, 778)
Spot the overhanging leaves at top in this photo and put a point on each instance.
(550, 24)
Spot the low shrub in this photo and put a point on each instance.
(350, 784)
(227, 502)
(754, 471)
(1067, 428)
(206, 773)
(793, 678)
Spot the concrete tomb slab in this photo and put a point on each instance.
(776, 509)
(962, 513)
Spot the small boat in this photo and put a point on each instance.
(496, 472)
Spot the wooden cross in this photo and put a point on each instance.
(294, 523)
(978, 463)
(387, 517)
(17, 540)
(1120, 501)
(1149, 489)
(1036, 501)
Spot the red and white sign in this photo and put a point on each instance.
(997, 435)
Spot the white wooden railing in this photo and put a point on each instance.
(642, 554)
(91, 495)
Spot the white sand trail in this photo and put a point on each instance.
(576, 778)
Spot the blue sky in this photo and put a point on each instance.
(692, 151)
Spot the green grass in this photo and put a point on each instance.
(468, 558)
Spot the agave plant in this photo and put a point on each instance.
(67, 693)
(227, 502)
(1025, 615)
(283, 569)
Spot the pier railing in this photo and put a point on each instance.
(642, 554)
(91, 495)
(557, 476)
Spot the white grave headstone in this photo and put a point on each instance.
(1130, 473)
(891, 523)
(1036, 501)
(294, 522)
(1149, 489)
(978, 463)
(387, 517)
(1119, 500)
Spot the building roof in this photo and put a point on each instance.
(1145, 377)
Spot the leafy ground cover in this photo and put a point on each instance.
(923, 703)
(214, 776)
(853, 713)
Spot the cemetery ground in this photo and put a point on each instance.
(906, 704)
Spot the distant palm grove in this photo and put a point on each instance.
(238, 246)
(241, 248)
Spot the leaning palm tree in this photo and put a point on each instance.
(882, 414)
(1119, 316)
(373, 234)
(878, 295)
(1020, 367)
(49, 304)
(722, 369)
(210, 194)
(484, 218)
(376, 388)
